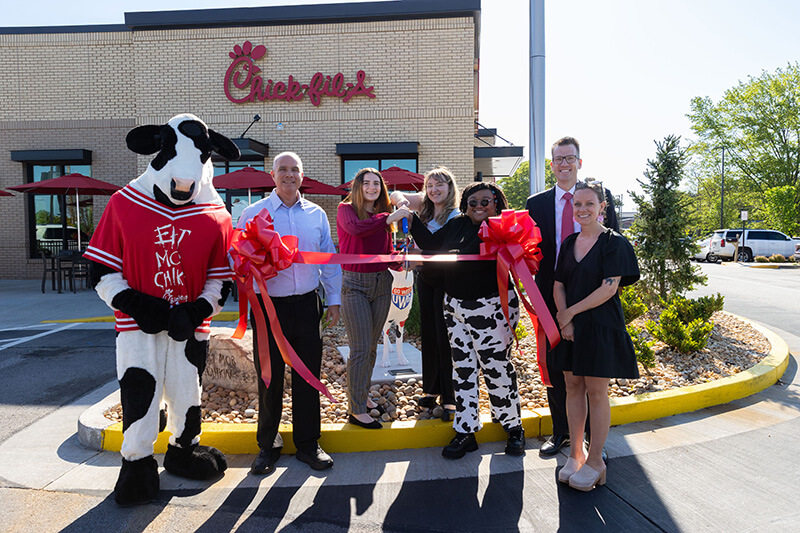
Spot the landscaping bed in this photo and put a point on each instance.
(734, 346)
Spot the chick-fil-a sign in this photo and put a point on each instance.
(243, 77)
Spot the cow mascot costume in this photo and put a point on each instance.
(159, 261)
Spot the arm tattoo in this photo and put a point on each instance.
(609, 281)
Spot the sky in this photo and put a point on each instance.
(619, 74)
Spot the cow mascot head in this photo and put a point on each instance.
(159, 261)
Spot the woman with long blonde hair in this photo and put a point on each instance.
(437, 205)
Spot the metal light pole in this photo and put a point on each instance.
(722, 194)
(536, 96)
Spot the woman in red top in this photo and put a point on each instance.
(363, 224)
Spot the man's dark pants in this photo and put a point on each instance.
(299, 317)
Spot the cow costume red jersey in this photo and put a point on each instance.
(166, 252)
(158, 259)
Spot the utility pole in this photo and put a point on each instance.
(536, 94)
(722, 194)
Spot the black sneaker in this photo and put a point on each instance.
(516, 441)
(460, 445)
(264, 463)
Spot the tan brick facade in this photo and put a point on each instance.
(87, 90)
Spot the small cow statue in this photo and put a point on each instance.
(402, 296)
(158, 259)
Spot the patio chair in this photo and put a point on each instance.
(78, 269)
(49, 267)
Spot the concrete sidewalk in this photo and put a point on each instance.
(729, 467)
(32, 308)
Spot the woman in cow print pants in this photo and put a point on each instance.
(480, 337)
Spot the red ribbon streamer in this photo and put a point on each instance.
(513, 238)
(258, 253)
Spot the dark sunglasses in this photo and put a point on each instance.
(484, 202)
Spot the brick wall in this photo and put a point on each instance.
(86, 90)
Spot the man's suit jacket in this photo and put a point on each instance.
(542, 209)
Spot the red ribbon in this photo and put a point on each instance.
(513, 238)
(258, 253)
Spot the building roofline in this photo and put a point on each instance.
(274, 16)
(303, 14)
(89, 28)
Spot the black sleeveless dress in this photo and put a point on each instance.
(602, 346)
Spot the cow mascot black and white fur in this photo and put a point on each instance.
(159, 261)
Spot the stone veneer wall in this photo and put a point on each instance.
(86, 90)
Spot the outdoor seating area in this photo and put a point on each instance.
(65, 268)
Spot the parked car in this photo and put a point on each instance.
(50, 237)
(766, 242)
(796, 248)
(704, 252)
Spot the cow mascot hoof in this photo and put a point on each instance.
(195, 462)
(137, 483)
(159, 260)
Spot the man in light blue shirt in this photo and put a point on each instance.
(299, 308)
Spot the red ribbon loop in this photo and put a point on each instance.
(259, 253)
(513, 238)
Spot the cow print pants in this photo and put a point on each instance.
(481, 340)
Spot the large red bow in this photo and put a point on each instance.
(514, 238)
(259, 253)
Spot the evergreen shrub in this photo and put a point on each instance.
(633, 305)
(702, 308)
(642, 347)
(682, 336)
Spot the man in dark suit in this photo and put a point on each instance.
(552, 212)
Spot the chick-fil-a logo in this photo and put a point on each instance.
(243, 75)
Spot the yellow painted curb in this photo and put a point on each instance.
(342, 438)
(224, 316)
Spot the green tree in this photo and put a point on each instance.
(757, 123)
(517, 186)
(779, 209)
(662, 224)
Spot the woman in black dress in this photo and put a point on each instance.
(595, 345)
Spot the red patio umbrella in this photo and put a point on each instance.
(257, 180)
(4, 193)
(248, 178)
(312, 186)
(76, 184)
(398, 179)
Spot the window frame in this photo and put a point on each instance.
(30, 175)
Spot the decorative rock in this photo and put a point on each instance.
(734, 346)
(230, 361)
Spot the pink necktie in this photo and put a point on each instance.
(567, 225)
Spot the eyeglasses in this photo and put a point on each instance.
(569, 159)
(485, 202)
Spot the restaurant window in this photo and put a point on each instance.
(236, 200)
(380, 155)
(351, 166)
(52, 217)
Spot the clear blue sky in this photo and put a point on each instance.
(619, 73)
